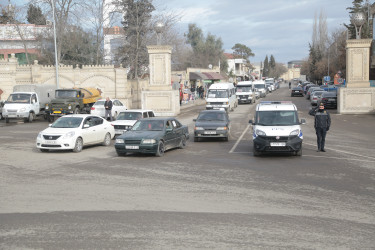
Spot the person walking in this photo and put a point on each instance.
(290, 84)
(321, 124)
(108, 109)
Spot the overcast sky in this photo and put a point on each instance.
(282, 28)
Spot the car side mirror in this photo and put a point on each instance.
(86, 126)
(49, 125)
(194, 120)
(251, 122)
(303, 121)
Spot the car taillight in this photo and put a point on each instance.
(324, 99)
(92, 108)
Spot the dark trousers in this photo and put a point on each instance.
(321, 137)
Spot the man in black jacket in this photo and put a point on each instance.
(321, 124)
(108, 108)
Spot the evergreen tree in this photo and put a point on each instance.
(272, 62)
(136, 26)
(35, 15)
(266, 67)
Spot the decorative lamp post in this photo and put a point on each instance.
(159, 27)
(358, 20)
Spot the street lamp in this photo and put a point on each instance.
(159, 27)
(358, 20)
(54, 38)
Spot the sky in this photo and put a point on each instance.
(282, 28)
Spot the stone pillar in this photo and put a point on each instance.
(358, 97)
(159, 95)
(358, 63)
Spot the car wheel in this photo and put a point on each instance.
(78, 146)
(299, 152)
(51, 118)
(226, 138)
(107, 139)
(31, 117)
(160, 150)
(256, 152)
(6, 120)
(196, 139)
(183, 142)
(120, 153)
(43, 150)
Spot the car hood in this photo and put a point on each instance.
(58, 131)
(210, 124)
(138, 135)
(124, 122)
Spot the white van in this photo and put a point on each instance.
(260, 86)
(244, 92)
(221, 96)
(276, 128)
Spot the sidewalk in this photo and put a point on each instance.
(192, 103)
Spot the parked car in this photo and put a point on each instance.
(125, 120)
(152, 136)
(329, 99)
(315, 96)
(296, 91)
(99, 110)
(307, 86)
(311, 89)
(74, 132)
(212, 124)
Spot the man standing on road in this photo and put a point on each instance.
(321, 124)
(108, 109)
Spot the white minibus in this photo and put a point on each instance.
(221, 96)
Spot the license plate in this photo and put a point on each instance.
(210, 132)
(331, 100)
(132, 147)
(120, 131)
(277, 144)
(57, 112)
(49, 142)
(216, 106)
(296, 91)
(244, 99)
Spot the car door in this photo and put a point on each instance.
(100, 128)
(178, 132)
(89, 134)
(170, 135)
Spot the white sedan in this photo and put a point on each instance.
(99, 110)
(75, 131)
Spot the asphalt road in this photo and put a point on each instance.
(210, 195)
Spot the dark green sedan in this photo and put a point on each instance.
(152, 136)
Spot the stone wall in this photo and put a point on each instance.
(110, 80)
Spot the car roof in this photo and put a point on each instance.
(275, 105)
(297, 88)
(158, 118)
(213, 111)
(80, 115)
(332, 93)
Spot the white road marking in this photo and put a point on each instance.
(239, 139)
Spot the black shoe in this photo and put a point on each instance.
(322, 150)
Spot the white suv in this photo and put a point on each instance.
(276, 128)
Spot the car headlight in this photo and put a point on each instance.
(69, 107)
(40, 135)
(294, 132)
(148, 141)
(47, 107)
(120, 141)
(226, 103)
(69, 135)
(260, 132)
(222, 128)
(198, 128)
(22, 109)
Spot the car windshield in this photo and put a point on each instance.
(259, 86)
(277, 118)
(66, 93)
(19, 98)
(67, 122)
(148, 125)
(99, 103)
(211, 116)
(217, 93)
(243, 89)
(129, 116)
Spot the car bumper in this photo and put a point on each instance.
(145, 149)
(243, 100)
(60, 144)
(265, 145)
(16, 115)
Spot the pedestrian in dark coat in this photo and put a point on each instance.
(322, 124)
(108, 108)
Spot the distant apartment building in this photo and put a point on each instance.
(294, 70)
(238, 66)
(112, 30)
